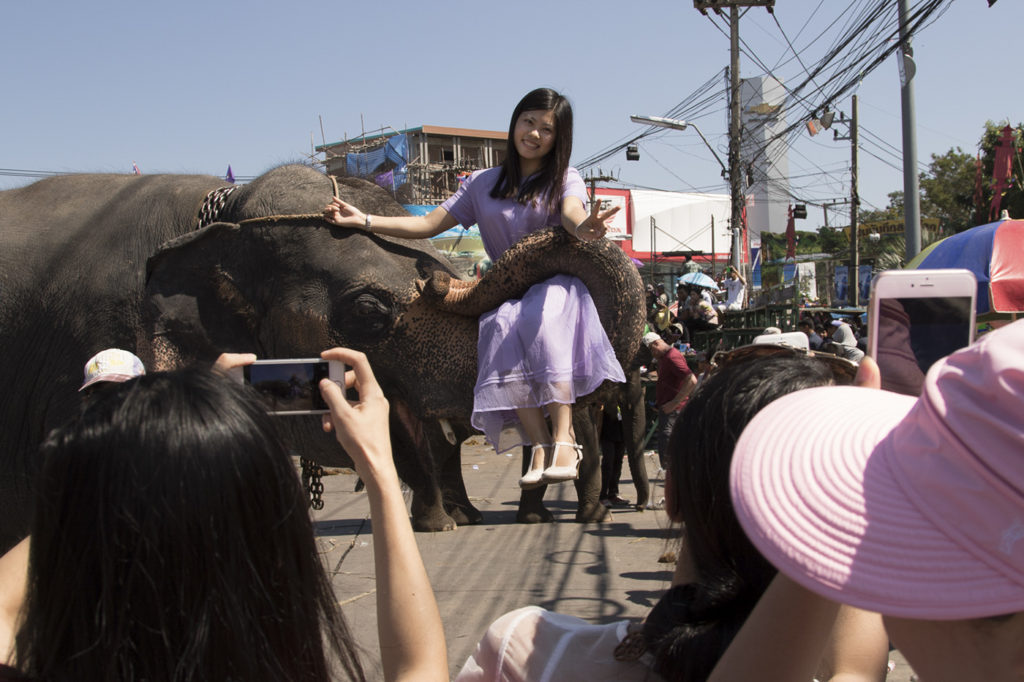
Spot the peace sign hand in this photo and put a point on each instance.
(596, 224)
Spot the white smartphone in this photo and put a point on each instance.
(917, 317)
(292, 386)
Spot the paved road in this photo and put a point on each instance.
(600, 572)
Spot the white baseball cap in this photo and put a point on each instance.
(112, 364)
(651, 337)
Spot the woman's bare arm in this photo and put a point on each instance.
(408, 622)
(434, 223)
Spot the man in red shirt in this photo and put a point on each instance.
(675, 383)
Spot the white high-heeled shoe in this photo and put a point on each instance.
(533, 478)
(568, 472)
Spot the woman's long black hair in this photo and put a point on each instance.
(545, 185)
(172, 541)
(692, 625)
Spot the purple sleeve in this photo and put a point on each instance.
(461, 205)
(574, 186)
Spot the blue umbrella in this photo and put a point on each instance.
(699, 279)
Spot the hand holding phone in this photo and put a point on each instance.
(361, 426)
(292, 386)
(917, 317)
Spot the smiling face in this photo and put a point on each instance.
(534, 137)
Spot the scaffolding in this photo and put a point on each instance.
(437, 159)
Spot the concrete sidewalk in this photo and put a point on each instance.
(599, 572)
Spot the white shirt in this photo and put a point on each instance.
(734, 289)
(534, 645)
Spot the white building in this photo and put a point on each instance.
(763, 155)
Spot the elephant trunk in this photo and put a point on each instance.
(609, 275)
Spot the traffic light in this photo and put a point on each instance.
(632, 153)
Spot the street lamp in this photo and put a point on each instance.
(676, 124)
(737, 201)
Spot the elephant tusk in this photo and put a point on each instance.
(446, 426)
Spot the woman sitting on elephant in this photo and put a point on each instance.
(172, 541)
(540, 353)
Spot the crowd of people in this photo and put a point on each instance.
(174, 541)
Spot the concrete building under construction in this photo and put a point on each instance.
(422, 165)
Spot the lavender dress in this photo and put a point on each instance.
(549, 346)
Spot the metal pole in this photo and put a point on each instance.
(854, 275)
(911, 193)
(653, 268)
(735, 177)
(714, 258)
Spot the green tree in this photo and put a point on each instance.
(894, 211)
(947, 190)
(949, 186)
(834, 241)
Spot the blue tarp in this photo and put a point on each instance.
(396, 150)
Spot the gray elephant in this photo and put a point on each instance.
(180, 268)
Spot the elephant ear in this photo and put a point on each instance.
(194, 306)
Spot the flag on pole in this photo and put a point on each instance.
(135, 169)
(230, 177)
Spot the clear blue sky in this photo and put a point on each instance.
(190, 87)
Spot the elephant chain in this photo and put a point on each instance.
(312, 481)
(212, 205)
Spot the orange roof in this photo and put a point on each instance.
(461, 132)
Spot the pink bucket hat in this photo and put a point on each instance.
(909, 507)
(112, 364)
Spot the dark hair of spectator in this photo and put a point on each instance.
(692, 625)
(546, 185)
(172, 541)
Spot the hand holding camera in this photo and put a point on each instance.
(361, 426)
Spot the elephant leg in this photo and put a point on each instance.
(415, 463)
(634, 419)
(453, 486)
(588, 485)
(531, 502)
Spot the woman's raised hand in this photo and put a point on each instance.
(344, 214)
(596, 224)
(361, 426)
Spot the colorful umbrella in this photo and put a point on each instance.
(994, 253)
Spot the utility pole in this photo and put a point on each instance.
(911, 193)
(592, 180)
(735, 172)
(854, 277)
(735, 177)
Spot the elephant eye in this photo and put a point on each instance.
(372, 315)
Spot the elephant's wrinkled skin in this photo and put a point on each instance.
(74, 280)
